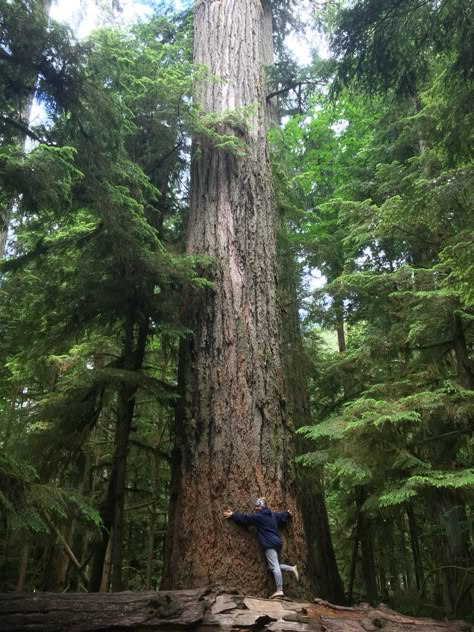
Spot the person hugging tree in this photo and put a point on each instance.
(266, 523)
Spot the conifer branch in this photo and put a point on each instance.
(25, 129)
(42, 247)
(291, 86)
(161, 160)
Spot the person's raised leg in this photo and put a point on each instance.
(285, 568)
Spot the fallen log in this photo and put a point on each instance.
(84, 612)
(203, 610)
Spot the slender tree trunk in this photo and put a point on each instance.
(355, 555)
(232, 432)
(415, 546)
(100, 549)
(107, 566)
(58, 573)
(368, 562)
(341, 334)
(4, 561)
(65, 541)
(452, 544)
(4, 224)
(382, 568)
(132, 360)
(464, 365)
(155, 495)
(112, 512)
(125, 406)
(393, 566)
(66, 548)
(321, 562)
(321, 559)
(366, 539)
(452, 551)
(409, 580)
(22, 570)
(152, 523)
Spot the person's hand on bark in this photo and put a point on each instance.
(228, 513)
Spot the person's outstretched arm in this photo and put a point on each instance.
(246, 520)
(282, 517)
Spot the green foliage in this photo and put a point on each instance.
(392, 43)
(38, 56)
(378, 193)
(27, 504)
(91, 292)
(226, 130)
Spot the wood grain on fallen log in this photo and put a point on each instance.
(203, 610)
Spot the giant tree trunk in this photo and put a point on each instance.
(232, 435)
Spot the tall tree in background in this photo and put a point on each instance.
(91, 267)
(233, 437)
(29, 48)
(398, 402)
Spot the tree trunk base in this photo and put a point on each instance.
(204, 610)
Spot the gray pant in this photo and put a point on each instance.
(276, 568)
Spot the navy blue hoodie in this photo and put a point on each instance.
(266, 522)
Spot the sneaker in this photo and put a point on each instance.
(296, 574)
(278, 593)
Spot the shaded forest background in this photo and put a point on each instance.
(373, 179)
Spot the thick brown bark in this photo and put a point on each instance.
(232, 433)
